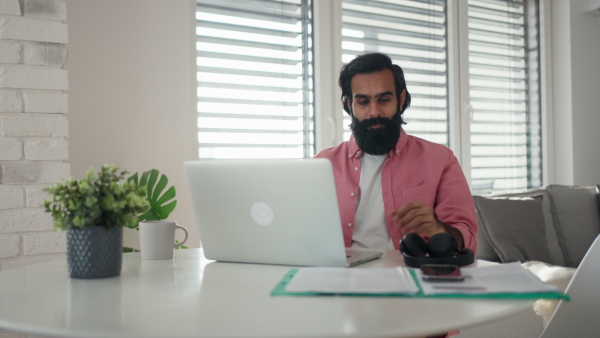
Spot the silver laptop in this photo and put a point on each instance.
(270, 211)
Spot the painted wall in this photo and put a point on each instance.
(576, 79)
(131, 103)
(585, 34)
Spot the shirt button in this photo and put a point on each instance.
(349, 225)
(356, 168)
(352, 194)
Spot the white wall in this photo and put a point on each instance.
(132, 97)
(576, 79)
(585, 34)
(34, 130)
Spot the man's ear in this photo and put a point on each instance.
(349, 105)
(402, 98)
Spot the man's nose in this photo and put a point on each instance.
(374, 110)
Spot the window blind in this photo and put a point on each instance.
(254, 70)
(413, 34)
(505, 150)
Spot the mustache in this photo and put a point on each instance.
(387, 122)
(377, 120)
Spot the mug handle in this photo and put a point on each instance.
(177, 226)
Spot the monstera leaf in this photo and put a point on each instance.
(160, 203)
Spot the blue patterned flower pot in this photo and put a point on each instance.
(94, 252)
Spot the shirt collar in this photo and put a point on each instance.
(355, 152)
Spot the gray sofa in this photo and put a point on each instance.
(556, 224)
(549, 229)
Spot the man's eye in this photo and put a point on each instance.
(384, 100)
(363, 102)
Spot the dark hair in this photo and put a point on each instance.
(370, 63)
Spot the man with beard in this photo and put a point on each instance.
(390, 183)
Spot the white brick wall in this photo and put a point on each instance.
(11, 148)
(11, 197)
(44, 243)
(34, 129)
(11, 7)
(34, 125)
(45, 102)
(35, 195)
(20, 28)
(10, 101)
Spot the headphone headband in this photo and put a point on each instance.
(465, 257)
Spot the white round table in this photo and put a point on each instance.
(190, 296)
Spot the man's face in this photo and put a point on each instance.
(374, 95)
(376, 117)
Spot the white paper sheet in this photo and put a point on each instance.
(344, 280)
(500, 278)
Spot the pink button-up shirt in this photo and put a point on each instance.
(416, 170)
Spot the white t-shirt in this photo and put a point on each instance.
(370, 230)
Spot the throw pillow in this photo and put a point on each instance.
(558, 276)
(576, 218)
(514, 227)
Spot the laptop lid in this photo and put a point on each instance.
(279, 211)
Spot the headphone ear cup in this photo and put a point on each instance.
(442, 245)
(413, 245)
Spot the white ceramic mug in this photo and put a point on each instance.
(157, 239)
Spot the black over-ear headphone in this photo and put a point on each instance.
(442, 248)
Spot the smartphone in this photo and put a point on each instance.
(441, 273)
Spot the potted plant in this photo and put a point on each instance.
(161, 203)
(93, 211)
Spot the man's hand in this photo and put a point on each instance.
(418, 218)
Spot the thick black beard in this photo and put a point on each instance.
(377, 141)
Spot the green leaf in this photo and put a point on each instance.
(151, 183)
(149, 215)
(144, 179)
(162, 183)
(167, 196)
(166, 210)
(180, 247)
(161, 206)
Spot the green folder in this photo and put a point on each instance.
(280, 290)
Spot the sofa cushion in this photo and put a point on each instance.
(554, 247)
(514, 228)
(576, 218)
(485, 250)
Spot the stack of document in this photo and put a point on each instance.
(508, 280)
